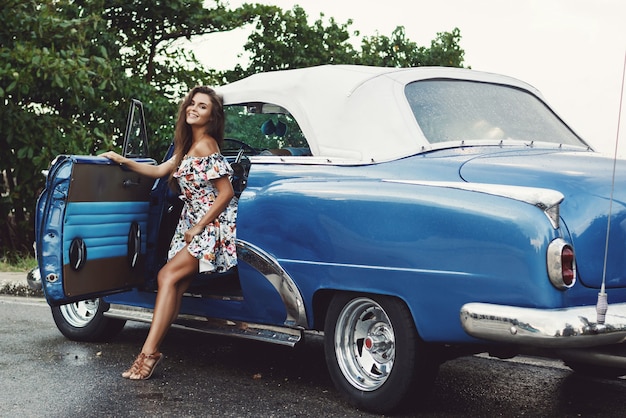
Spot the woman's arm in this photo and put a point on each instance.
(224, 194)
(154, 171)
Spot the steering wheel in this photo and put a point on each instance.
(242, 148)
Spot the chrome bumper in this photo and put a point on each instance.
(554, 328)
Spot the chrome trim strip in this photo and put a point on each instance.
(215, 326)
(446, 273)
(545, 199)
(269, 267)
(555, 328)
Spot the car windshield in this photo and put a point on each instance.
(263, 126)
(457, 110)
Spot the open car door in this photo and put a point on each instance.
(92, 220)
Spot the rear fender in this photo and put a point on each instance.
(435, 247)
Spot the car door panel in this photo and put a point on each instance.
(104, 222)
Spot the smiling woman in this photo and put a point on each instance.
(204, 240)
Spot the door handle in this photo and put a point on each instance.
(129, 183)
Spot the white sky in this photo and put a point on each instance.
(573, 51)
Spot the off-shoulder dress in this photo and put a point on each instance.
(215, 247)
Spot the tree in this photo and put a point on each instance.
(399, 51)
(67, 70)
(284, 39)
(47, 79)
(150, 31)
(69, 67)
(445, 50)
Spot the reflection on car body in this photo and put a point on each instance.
(411, 215)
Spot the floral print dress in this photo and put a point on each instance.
(215, 247)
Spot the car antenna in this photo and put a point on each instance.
(602, 305)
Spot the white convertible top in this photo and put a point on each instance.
(352, 112)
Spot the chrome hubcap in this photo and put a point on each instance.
(80, 314)
(365, 344)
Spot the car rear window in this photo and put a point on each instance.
(459, 110)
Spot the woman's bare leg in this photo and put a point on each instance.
(173, 280)
(182, 288)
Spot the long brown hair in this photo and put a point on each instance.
(182, 134)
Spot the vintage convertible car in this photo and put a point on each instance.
(407, 215)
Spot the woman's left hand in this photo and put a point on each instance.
(192, 232)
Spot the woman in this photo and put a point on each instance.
(205, 235)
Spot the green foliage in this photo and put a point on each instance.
(50, 75)
(284, 39)
(69, 67)
(245, 125)
(67, 71)
(17, 263)
(399, 51)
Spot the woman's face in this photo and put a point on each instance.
(199, 110)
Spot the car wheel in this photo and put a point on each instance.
(374, 355)
(85, 321)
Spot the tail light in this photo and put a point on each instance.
(561, 263)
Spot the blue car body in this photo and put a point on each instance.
(459, 230)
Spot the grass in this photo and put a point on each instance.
(17, 264)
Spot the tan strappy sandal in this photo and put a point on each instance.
(142, 368)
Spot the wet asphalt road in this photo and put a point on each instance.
(44, 374)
